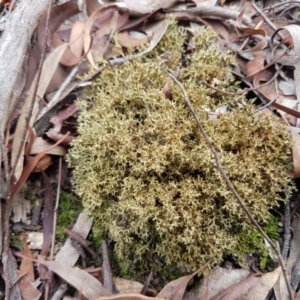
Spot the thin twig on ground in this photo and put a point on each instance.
(84, 243)
(287, 231)
(106, 269)
(229, 183)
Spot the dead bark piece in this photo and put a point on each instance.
(14, 44)
(13, 50)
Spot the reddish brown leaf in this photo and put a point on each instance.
(29, 167)
(27, 290)
(26, 266)
(254, 66)
(92, 6)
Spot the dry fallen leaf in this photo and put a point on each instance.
(87, 284)
(27, 289)
(261, 289)
(26, 266)
(219, 280)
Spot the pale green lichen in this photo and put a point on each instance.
(145, 173)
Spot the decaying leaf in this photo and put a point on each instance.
(87, 284)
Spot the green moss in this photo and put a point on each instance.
(144, 171)
(69, 209)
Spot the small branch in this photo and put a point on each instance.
(265, 18)
(106, 269)
(287, 230)
(229, 183)
(84, 243)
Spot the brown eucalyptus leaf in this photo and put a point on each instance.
(26, 266)
(27, 289)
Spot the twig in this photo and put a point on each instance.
(287, 230)
(244, 91)
(107, 274)
(295, 276)
(203, 10)
(265, 18)
(229, 183)
(56, 208)
(146, 284)
(267, 105)
(84, 243)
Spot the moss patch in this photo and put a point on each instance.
(69, 209)
(143, 170)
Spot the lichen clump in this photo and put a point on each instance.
(144, 171)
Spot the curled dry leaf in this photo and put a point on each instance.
(156, 31)
(29, 167)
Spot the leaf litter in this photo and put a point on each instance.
(266, 42)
